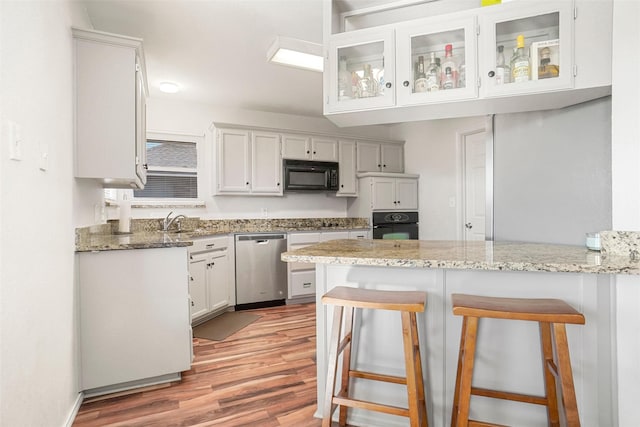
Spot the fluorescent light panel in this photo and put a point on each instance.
(296, 53)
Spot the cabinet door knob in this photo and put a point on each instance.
(384, 166)
(192, 304)
(388, 85)
(191, 278)
(146, 166)
(341, 185)
(492, 73)
(278, 184)
(247, 182)
(405, 83)
(307, 151)
(379, 165)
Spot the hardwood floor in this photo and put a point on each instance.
(263, 375)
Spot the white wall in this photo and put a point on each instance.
(431, 150)
(191, 118)
(38, 351)
(552, 173)
(626, 197)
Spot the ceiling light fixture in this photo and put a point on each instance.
(296, 53)
(169, 87)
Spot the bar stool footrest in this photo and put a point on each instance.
(371, 406)
(378, 377)
(506, 395)
(474, 423)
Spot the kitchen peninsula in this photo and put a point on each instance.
(508, 355)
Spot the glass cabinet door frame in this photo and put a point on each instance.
(436, 28)
(514, 12)
(354, 39)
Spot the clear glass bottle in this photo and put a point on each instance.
(547, 69)
(520, 67)
(355, 84)
(449, 62)
(368, 84)
(449, 81)
(433, 74)
(420, 82)
(344, 80)
(503, 72)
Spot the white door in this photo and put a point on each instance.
(384, 193)
(198, 285)
(233, 161)
(406, 193)
(368, 157)
(392, 157)
(348, 182)
(296, 147)
(266, 163)
(218, 280)
(474, 185)
(324, 149)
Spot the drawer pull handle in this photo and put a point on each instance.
(210, 245)
(306, 285)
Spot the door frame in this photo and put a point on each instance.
(460, 177)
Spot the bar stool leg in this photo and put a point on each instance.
(346, 363)
(566, 375)
(548, 366)
(465, 371)
(332, 366)
(413, 364)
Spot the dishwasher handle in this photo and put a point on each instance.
(260, 238)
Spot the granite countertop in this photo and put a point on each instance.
(147, 234)
(480, 255)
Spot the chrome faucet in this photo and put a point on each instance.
(168, 221)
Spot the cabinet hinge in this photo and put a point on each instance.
(327, 100)
(479, 81)
(477, 30)
(575, 13)
(575, 70)
(138, 68)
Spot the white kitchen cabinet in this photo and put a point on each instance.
(580, 30)
(384, 192)
(306, 147)
(248, 162)
(134, 318)
(211, 277)
(110, 108)
(379, 157)
(347, 168)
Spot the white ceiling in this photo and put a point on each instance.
(216, 49)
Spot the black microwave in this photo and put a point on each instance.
(304, 175)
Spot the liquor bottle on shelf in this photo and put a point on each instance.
(546, 68)
(449, 81)
(368, 84)
(462, 75)
(355, 84)
(502, 70)
(344, 80)
(520, 68)
(450, 63)
(433, 74)
(420, 82)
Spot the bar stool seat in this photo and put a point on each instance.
(552, 315)
(408, 303)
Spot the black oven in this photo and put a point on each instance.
(395, 225)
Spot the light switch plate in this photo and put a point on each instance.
(13, 135)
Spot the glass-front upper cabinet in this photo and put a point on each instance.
(436, 60)
(527, 48)
(361, 70)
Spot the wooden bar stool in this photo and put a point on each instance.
(408, 303)
(552, 315)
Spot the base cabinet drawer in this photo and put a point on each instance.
(303, 283)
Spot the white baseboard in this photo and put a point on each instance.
(74, 410)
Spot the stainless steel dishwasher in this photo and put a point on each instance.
(261, 277)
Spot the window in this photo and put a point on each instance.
(172, 172)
